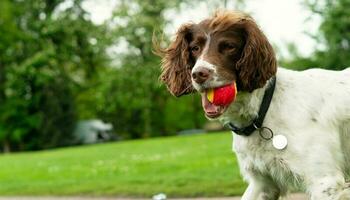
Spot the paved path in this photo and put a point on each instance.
(292, 197)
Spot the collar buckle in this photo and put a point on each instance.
(258, 121)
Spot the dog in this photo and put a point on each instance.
(302, 140)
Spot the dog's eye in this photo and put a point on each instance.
(195, 49)
(227, 47)
(230, 46)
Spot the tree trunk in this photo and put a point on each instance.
(6, 146)
(2, 83)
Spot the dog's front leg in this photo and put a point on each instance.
(252, 192)
(261, 189)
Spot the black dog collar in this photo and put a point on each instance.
(258, 121)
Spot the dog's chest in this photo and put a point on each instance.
(258, 155)
(253, 152)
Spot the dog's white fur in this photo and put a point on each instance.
(312, 109)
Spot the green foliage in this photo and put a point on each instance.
(333, 37)
(55, 69)
(39, 106)
(46, 56)
(186, 166)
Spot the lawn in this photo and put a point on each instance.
(180, 166)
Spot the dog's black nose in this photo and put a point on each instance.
(200, 75)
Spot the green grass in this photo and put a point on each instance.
(182, 166)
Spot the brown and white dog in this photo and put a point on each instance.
(311, 109)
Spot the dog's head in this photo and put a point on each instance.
(229, 47)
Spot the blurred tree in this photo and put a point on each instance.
(333, 37)
(56, 68)
(48, 53)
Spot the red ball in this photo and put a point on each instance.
(222, 96)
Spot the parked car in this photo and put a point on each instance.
(93, 131)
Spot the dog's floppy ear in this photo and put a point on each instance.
(177, 63)
(258, 62)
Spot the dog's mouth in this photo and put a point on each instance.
(216, 100)
(211, 110)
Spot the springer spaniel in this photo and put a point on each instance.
(308, 115)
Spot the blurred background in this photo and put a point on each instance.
(78, 72)
(67, 66)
